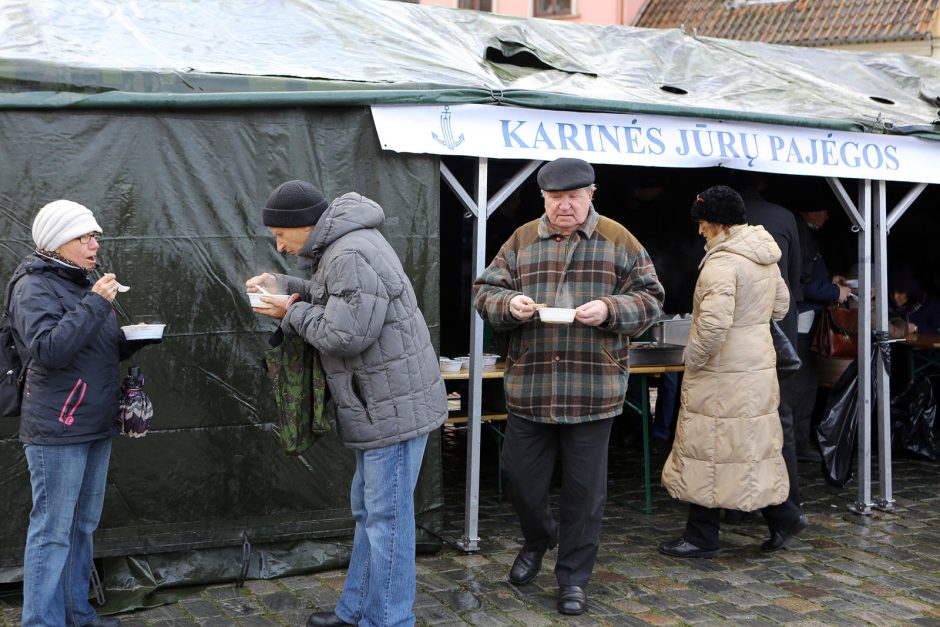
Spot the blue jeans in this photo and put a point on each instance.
(68, 484)
(380, 584)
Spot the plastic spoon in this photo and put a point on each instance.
(121, 288)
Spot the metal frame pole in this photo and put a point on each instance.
(863, 503)
(873, 202)
(861, 224)
(480, 208)
(471, 539)
(885, 501)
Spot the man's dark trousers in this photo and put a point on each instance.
(804, 393)
(781, 516)
(528, 460)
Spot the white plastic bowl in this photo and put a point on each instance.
(556, 315)
(450, 365)
(255, 299)
(489, 361)
(143, 331)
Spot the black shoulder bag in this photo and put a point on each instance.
(788, 361)
(12, 368)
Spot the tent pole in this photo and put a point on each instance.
(904, 205)
(458, 189)
(861, 224)
(471, 539)
(884, 501)
(511, 185)
(481, 209)
(863, 503)
(883, 225)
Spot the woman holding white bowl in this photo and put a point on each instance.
(67, 336)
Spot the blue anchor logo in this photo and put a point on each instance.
(446, 132)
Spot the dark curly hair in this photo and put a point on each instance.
(720, 205)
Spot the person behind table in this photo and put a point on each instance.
(727, 450)
(816, 292)
(359, 310)
(911, 303)
(67, 334)
(564, 383)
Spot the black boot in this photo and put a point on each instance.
(325, 619)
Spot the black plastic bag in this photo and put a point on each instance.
(838, 429)
(837, 433)
(913, 414)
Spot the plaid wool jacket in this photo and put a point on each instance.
(558, 373)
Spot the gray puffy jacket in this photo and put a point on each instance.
(360, 311)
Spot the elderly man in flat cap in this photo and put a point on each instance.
(565, 383)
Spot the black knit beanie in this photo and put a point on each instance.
(293, 204)
(719, 205)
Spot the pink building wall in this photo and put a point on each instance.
(586, 11)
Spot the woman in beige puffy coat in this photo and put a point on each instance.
(727, 450)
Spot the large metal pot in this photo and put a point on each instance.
(675, 331)
(655, 354)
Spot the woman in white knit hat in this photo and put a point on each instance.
(68, 337)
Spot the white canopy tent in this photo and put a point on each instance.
(487, 131)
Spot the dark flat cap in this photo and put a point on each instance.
(564, 174)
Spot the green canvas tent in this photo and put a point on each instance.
(172, 119)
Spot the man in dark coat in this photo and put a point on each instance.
(782, 226)
(817, 291)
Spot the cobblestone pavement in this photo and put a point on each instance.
(845, 569)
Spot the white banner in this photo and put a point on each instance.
(653, 140)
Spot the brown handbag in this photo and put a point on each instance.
(837, 333)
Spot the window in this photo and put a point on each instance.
(552, 8)
(476, 5)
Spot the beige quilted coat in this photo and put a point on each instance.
(727, 451)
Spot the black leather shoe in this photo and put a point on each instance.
(682, 548)
(525, 567)
(325, 619)
(104, 621)
(808, 453)
(571, 600)
(779, 539)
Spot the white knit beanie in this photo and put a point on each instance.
(61, 221)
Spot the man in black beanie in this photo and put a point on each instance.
(359, 310)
